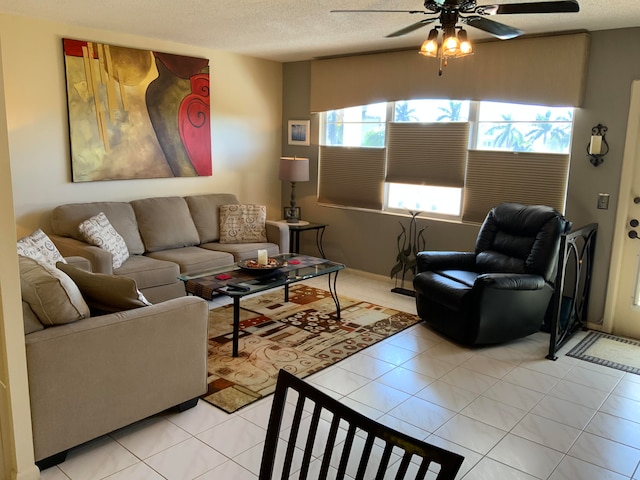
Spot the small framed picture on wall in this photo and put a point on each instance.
(299, 132)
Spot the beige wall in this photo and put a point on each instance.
(34, 164)
(245, 109)
(367, 240)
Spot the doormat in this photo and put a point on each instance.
(610, 351)
(302, 336)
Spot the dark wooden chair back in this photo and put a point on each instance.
(353, 444)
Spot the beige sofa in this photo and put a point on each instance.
(90, 375)
(165, 236)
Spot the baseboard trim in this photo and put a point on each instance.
(29, 473)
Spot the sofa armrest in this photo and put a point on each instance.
(434, 260)
(99, 374)
(101, 260)
(278, 233)
(79, 262)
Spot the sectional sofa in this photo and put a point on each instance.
(90, 374)
(165, 236)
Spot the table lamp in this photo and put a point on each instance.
(293, 169)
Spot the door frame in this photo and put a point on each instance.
(625, 198)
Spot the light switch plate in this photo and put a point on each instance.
(603, 201)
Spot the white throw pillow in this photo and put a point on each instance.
(98, 231)
(39, 247)
(243, 224)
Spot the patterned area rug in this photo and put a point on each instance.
(610, 351)
(302, 336)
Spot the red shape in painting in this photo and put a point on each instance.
(194, 124)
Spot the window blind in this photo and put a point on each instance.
(427, 153)
(528, 178)
(352, 176)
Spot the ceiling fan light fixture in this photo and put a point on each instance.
(430, 46)
(451, 43)
(466, 48)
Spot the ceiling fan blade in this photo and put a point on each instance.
(379, 11)
(413, 27)
(499, 30)
(560, 6)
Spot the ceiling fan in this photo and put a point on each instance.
(467, 12)
(450, 12)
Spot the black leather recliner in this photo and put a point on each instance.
(501, 291)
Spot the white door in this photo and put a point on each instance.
(622, 309)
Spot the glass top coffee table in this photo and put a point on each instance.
(239, 280)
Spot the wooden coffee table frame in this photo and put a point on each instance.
(297, 268)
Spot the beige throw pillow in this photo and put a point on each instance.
(243, 224)
(40, 247)
(106, 293)
(98, 231)
(50, 293)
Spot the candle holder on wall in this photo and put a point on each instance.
(409, 244)
(598, 146)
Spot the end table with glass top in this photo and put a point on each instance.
(303, 226)
(237, 282)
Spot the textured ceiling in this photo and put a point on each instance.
(291, 30)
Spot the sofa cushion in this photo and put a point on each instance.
(30, 319)
(243, 223)
(66, 218)
(205, 213)
(165, 223)
(51, 294)
(242, 251)
(98, 231)
(106, 293)
(149, 272)
(194, 259)
(40, 247)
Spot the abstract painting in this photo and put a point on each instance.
(136, 113)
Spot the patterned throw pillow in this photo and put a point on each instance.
(99, 232)
(39, 247)
(243, 224)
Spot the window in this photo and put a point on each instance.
(356, 126)
(524, 128)
(432, 167)
(431, 111)
(438, 200)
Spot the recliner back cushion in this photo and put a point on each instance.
(165, 223)
(518, 238)
(205, 213)
(65, 220)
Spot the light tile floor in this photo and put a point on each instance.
(510, 412)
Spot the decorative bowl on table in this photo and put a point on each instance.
(253, 265)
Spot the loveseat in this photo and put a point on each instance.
(164, 236)
(92, 372)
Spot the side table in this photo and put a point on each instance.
(294, 235)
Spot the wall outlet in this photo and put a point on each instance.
(603, 201)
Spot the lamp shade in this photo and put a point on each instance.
(294, 169)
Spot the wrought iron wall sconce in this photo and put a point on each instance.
(598, 146)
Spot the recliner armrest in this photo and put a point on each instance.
(511, 281)
(432, 260)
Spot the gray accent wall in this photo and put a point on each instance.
(366, 240)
